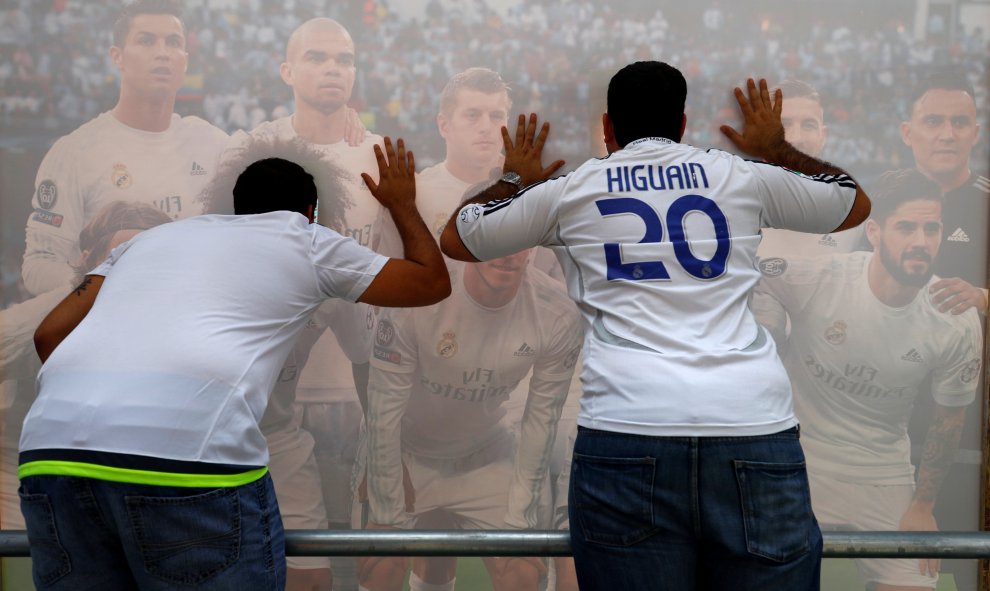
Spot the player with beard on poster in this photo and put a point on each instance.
(867, 339)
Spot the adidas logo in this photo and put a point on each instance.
(197, 169)
(525, 351)
(958, 236)
(913, 356)
(983, 184)
(827, 240)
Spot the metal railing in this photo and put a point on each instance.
(557, 543)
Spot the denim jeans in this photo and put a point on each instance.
(94, 534)
(686, 513)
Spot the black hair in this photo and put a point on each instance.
(943, 78)
(122, 24)
(647, 99)
(274, 184)
(896, 187)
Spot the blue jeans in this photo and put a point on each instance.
(94, 534)
(686, 513)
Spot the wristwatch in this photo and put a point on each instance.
(512, 178)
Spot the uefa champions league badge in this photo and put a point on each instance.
(836, 334)
(447, 347)
(47, 194)
(384, 334)
(773, 267)
(970, 372)
(120, 177)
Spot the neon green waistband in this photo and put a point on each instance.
(98, 472)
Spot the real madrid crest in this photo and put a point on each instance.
(120, 177)
(447, 347)
(836, 334)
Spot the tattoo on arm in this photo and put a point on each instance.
(941, 444)
(82, 286)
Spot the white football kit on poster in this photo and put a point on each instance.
(104, 161)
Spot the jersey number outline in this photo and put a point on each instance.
(678, 210)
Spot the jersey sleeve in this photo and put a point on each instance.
(344, 268)
(548, 389)
(955, 380)
(507, 226)
(58, 215)
(390, 384)
(794, 201)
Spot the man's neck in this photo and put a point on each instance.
(887, 289)
(143, 114)
(317, 127)
(489, 298)
(471, 173)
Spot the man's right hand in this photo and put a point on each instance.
(396, 184)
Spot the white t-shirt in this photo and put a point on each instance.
(857, 365)
(442, 374)
(195, 319)
(658, 245)
(328, 375)
(105, 161)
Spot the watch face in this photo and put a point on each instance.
(512, 177)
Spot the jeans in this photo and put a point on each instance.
(686, 513)
(94, 534)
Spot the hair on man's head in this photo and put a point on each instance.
(897, 187)
(115, 217)
(274, 184)
(941, 78)
(122, 23)
(219, 196)
(480, 79)
(646, 99)
(793, 88)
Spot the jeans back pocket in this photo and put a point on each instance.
(49, 560)
(776, 509)
(185, 540)
(613, 498)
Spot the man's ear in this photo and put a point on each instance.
(873, 232)
(116, 54)
(683, 126)
(311, 213)
(285, 71)
(611, 145)
(442, 125)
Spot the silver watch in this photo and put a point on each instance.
(513, 178)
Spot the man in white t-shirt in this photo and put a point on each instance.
(440, 377)
(142, 462)
(687, 466)
(866, 337)
(138, 151)
(320, 68)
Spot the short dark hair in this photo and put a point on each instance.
(647, 99)
(942, 78)
(794, 88)
(122, 24)
(480, 79)
(274, 184)
(896, 187)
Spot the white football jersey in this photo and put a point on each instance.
(104, 161)
(441, 375)
(857, 365)
(658, 245)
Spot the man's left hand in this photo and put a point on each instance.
(524, 155)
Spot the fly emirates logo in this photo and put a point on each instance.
(477, 385)
(856, 380)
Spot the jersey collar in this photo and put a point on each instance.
(650, 139)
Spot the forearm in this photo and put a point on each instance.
(940, 447)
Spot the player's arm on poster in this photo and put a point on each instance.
(420, 278)
(763, 137)
(66, 316)
(940, 447)
(523, 157)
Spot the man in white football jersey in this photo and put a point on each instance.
(138, 151)
(866, 337)
(320, 68)
(439, 380)
(687, 466)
